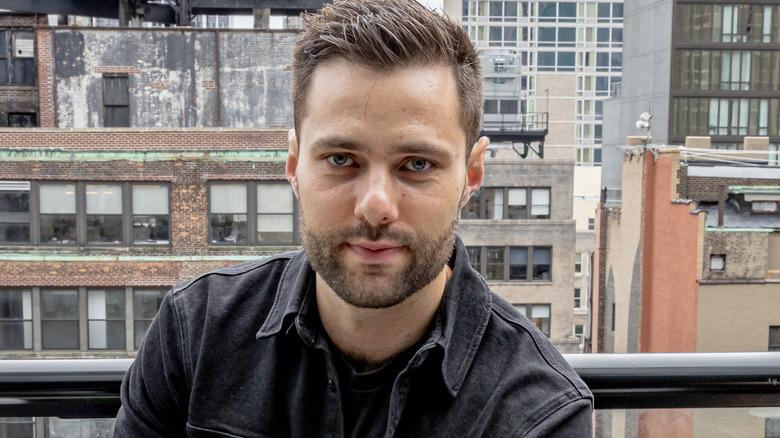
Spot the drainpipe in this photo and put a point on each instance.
(721, 205)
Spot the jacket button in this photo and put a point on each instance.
(331, 386)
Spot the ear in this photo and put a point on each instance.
(291, 169)
(475, 169)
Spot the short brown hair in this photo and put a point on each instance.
(386, 34)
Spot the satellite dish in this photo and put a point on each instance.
(641, 125)
(646, 116)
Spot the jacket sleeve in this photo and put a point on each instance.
(573, 420)
(155, 390)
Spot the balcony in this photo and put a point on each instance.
(89, 388)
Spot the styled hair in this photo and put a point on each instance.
(383, 35)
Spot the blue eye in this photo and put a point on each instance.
(340, 160)
(418, 164)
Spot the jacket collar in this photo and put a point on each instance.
(458, 327)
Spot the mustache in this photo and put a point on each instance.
(376, 232)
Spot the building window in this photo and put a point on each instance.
(516, 267)
(15, 319)
(17, 61)
(591, 223)
(577, 298)
(106, 310)
(151, 219)
(613, 317)
(578, 263)
(14, 212)
(116, 101)
(774, 338)
(104, 214)
(17, 427)
(62, 314)
(772, 428)
(579, 333)
(717, 262)
(58, 214)
(108, 212)
(508, 203)
(538, 314)
(22, 120)
(146, 304)
(252, 214)
(60, 319)
(713, 117)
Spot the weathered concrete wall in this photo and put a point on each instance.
(256, 78)
(173, 76)
(558, 175)
(558, 232)
(746, 254)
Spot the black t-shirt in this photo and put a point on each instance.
(365, 397)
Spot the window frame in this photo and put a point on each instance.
(80, 187)
(529, 307)
(19, 187)
(129, 317)
(483, 210)
(109, 106)
(252, 214)
(482, 251)
(23, 320)
(773, 343)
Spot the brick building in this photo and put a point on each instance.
(691, 259)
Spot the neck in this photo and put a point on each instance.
(369, 338)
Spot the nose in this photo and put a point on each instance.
(376, 201)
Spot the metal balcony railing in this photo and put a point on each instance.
(89, 388)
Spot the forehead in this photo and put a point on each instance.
(402, 102)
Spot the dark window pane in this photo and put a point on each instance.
(546, 61)
(60, 335)
(471, 209)
(494, 264)
(229, 228)
(141, 327)
(617, 35)
(542, 258)
(151, 230)
(566, 61)
(15, 335)
(510, 9)
(567, 11)
(603, 10)
(14, 233)
(602, 34)
(107, 335)
(491, 106)
(518, 263)
(494, 33)
(547, 34)
(146, 303)
(567, 35)
(617, 10)
(104, 229)
(58, 229)
(508, 107)
(547, 9)
(475, 255)
(15, 304)
(21, 120)
(59, 304)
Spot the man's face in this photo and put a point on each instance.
(380, 174)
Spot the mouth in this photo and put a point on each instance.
(374, 252)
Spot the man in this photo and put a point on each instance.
(379, 327)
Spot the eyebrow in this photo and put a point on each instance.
(424, 148)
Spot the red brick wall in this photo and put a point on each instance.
(123, 139)
(188, 178)
(669, 287)
(47, 116)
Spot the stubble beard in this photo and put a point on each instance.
(373, 286)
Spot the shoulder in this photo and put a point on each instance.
(257, 275)
(528, 380)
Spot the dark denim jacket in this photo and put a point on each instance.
(241, 352)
